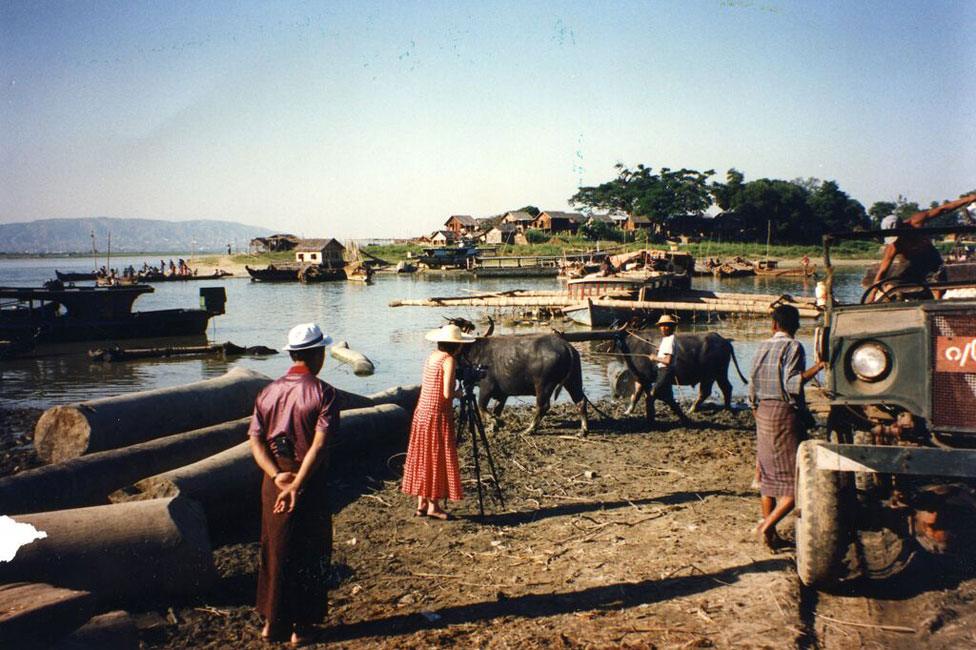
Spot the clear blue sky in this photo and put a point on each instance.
(355, 119)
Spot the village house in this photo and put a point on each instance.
(503, 233)
(461, 225)
(552, 221)
(323, 252)
(443, 237)
(636, 222)
(274, 243)
(520, 219)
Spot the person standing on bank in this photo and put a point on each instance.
(431, 471)
(776, 397)
(295, 419)
(662, 388)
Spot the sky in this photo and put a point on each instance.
(382, 119)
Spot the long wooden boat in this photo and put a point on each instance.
(74, 277)
(272, 273)
(162, 277)
(56, 315)
(607, 312)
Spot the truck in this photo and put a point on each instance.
(895, 474)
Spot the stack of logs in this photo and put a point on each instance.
(137, 487)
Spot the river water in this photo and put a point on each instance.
(392, 338)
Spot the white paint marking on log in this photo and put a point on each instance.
(13, 535)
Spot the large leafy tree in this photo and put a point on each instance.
(642, 192)
(800, 210)
(881, 209)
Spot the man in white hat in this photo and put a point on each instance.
(295, 418)
(665, 366)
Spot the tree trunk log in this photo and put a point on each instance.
(361, 366)
(89, 479)
(128, 551)
(115, 630)
(228, 484)
(37, 614)
(403, 396)
(64, 432)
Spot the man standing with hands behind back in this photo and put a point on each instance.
(776, 397)
(295, 417)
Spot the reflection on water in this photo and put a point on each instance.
(261, 314)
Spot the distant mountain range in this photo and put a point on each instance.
(128, 235)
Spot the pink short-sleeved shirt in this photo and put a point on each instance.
(295, 405)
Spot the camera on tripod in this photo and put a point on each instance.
(471, 373)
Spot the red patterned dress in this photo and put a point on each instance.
(431, 469)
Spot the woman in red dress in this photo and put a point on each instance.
(431, 471)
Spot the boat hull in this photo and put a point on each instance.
(148, 324)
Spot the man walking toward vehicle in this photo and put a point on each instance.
(776, 397)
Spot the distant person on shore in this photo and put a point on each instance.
(923, 263)
(776, 397)
(295, 419)
(228, 249)
(431, 471)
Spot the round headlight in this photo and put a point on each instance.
(869, 361)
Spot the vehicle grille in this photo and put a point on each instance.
(953, 393)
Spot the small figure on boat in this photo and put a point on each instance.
(607, 268)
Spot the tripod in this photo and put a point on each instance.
(469, 419)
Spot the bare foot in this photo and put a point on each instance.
(437, 513)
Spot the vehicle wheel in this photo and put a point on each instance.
(823, 528)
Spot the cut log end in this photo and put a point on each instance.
(61, 433)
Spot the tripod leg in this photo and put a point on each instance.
(477, 464)
(480, 428)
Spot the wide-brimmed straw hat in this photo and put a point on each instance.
(667, 319)
(305, 337)
(449, 333)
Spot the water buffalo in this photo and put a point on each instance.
(698, 359)
(527, 364)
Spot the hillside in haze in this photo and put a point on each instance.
(128, 235)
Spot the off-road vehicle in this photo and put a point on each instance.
(897, 471)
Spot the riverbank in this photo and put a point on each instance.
(630, 537)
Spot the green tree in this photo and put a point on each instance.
(642, 192)
(879, 210)
(724, 193)
(833, 210)
(597, 230)
(531, 209)
(536, 236)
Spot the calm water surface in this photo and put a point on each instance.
(261, 314)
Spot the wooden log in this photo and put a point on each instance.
(115, 630)
(228, 485)
(143, 550)
(73, 430)
(403, 396)
(37, 614)
(89, 479)
(361, 366)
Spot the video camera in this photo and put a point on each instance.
(471, 373)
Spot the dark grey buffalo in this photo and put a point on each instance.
(701, 359)
(528, 364)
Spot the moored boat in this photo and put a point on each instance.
(272, 273)
(163, 277)
(74, 277)
(59, 314)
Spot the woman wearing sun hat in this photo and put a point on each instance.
(431, 471)
(295, 418)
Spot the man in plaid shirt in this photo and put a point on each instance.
(776, 397)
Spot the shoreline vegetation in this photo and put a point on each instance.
(788, 254)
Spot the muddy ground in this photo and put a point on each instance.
(627, 538)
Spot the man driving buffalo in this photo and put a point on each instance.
(684, 359)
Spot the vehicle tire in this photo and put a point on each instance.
(823, 528)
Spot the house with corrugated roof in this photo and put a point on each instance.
(520, 219)
(553, 221)
(637, 222)
(462, 224)
(325, 252)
